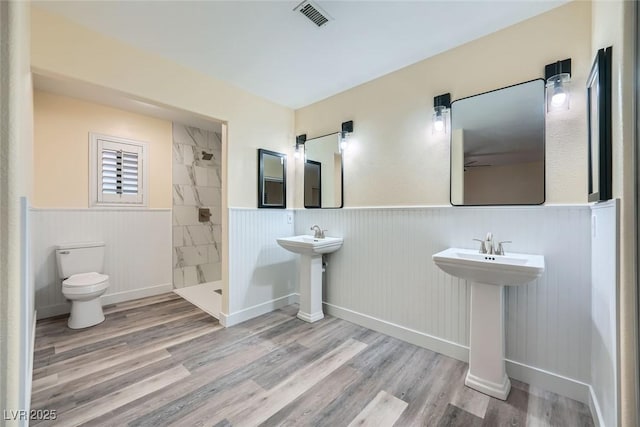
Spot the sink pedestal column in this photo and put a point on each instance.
(310, 288)
(487, 370)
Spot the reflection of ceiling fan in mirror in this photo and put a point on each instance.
(471, 165)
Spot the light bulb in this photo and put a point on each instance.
(558, 98)
(438, 125)
(343, 144)
(297, 154)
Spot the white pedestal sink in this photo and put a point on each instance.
(311, 250)
(488, 275)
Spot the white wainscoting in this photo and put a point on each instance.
(605, 375)
(137, 257)
(384, 272)
(262, 275)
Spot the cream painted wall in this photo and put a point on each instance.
(613, 25)
(61, 149)
(394, 158)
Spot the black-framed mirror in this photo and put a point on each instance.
(272, 179)
(323, 172)
(498, 147)
(599, 122)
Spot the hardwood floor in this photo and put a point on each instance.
(162, 361)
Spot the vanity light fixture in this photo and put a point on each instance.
(300, 140)
(345, 133)
(557, 77)
(441, 107)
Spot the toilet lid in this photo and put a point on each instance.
(85, 279)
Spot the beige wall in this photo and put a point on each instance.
(394, 149)
(61, 149)
(613, 25)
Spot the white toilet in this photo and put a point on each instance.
(79, 265)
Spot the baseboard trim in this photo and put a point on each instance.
(64, 308)
(237, 317)
(594, 407)
(439, 345)
(559, 384)
(136, 293)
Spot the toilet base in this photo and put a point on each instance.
(85, 313)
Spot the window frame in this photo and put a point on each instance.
(98, 199)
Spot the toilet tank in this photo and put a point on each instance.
(84, 257)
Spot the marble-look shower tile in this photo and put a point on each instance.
(201, 176)
(192, 255)
(189, 196)
(190, 154)
(190, 276)
(215, 252)
(209, 196)
(185, 215)
(199, 234)
(178, 158)
(181, 135)
(178, 277)
(213, 177)
(216, 215)
(217, 142)
(177, 197)
(211, 271)
(178, 236)
(183, 175)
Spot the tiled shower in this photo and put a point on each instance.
(197, 155)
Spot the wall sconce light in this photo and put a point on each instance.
(557, 76)
(300, 140)
(441, 107)
(345, 133)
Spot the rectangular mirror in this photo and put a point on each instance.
(497, 147)
(272, 179)
(323, 172)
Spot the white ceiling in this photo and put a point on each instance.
(268, 49)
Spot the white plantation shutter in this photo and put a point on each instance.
(119, 177)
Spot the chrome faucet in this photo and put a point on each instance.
(487, 246)
(319, 232)
(499, 249)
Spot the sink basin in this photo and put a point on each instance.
(506, 270)
(309, 245)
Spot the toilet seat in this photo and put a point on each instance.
(85, 283)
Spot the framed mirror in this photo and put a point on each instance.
(497, 147)
(599, 122)
(272, 179)
(323, 173)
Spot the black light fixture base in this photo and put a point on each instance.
(347, 126)
(443, 100)
(558, 67)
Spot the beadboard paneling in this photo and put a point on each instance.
(260, 271)
(138, 247)
(604, 308)
(384, 270)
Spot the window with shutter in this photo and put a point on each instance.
(118, 171)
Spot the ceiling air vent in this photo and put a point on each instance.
(313, 12)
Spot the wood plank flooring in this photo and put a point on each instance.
(162, 361)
